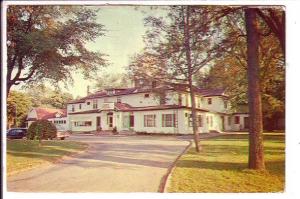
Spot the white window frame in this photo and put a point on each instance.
(150, 120)
(168, 120)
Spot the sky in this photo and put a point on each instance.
(123, 38)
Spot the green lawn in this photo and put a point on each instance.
(222, 167)
(26, 154)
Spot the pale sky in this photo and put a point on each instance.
(125, 28)
(123, 38)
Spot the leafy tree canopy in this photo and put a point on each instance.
(43, 96)
(48, 42)
(112, 80)
(18, 105)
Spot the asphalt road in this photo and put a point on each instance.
(112, 164)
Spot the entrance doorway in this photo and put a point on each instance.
(131, 121)
(98, 123)
(110, 120)
(223, 123)
(246, 122)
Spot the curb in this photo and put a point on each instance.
(165, 181)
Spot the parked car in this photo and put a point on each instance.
(16, 133)
(62, 135)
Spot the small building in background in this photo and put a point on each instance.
(57, 116)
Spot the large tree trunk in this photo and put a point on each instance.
(256, 151)
(190, 77)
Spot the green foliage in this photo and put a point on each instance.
(222, 167)
(47, 43)
(230, 70)
(18, 105)
(42, 96)
(41, 129)
(116, 80)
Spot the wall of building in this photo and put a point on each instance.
(216, 105)
(82, 118)
(241, 125)
(59, 123)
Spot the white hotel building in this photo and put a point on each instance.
(141, 109)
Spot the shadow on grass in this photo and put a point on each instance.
(49, 151)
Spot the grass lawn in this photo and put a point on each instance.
(26, 154)
(222, 167)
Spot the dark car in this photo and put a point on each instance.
(16, 133)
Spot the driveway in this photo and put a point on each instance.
(112, 164)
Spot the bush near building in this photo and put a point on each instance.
(41, 129)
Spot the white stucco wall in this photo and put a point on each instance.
(62, 127)
(80, 118)
(216, 105)
(241, 125)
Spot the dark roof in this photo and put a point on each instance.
(126, 107)
(86, 112)
(171, 86)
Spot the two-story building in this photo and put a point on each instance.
(153, 109)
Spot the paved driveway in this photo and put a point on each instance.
(112, 164)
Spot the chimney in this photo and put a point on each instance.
(88, 90)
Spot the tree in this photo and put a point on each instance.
(18, 105)
(48, 42)
(256, 152)
(42, 96)
(41, 129)
(116, 80)
(230, 71)
(177, 48)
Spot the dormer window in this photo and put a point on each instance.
(209, 100)
(147, 95)
(110, 92)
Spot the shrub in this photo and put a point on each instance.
(41, 129)
(114, 131)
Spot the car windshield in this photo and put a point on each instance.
(16, 131)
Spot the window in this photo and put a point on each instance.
(64, 121)
(95, 105)
(168, 120)
(209, 100)
(190, 120)
(149, 120)
(73, 108)
(83, 123)
(147, 95)
(119, 100)
(79, 106)
(199, 121)
(88, 103)
(237, 119)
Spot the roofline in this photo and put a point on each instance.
(151, 90)
(240, 113)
